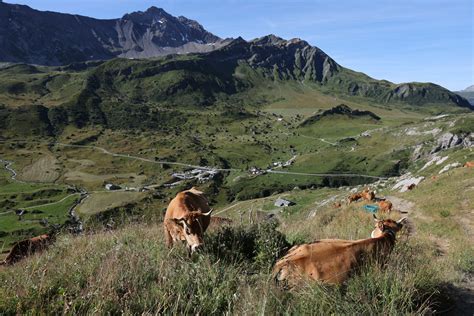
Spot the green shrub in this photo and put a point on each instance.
(260, 244)
(444, 213)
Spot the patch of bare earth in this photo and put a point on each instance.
(45, 169)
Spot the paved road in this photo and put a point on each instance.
(161, 162)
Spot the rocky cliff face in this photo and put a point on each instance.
(281, 59)
(296, 59)
(50, 38)
(155, 32)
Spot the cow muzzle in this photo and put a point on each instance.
(196, 248)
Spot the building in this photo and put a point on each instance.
(112, 187)
(256, 171)
(280, 202)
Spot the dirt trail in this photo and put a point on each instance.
(463, 293)
(401, 205)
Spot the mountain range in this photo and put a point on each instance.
(100, 71)
(50, 38)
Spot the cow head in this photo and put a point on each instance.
(383, 225)
(192, 228)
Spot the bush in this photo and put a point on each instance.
(260, 244)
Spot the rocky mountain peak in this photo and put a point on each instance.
(155, 10)
(151, 16)
(274, 40)
(51, 38)
(270, 39)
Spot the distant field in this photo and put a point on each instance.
(101, 201)
(32, 197)
(45, 169)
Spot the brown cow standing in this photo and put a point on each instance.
(333, 260)
(27, 247)
(469, 164)
(187, 217)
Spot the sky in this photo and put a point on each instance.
(396, 40)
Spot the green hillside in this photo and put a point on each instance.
(150, 94)
(248, 123)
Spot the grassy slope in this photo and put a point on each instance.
(151, 281)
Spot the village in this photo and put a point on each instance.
(275, 165)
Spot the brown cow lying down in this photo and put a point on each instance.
(385, 206)
(27, 247)
(354, 197)
(333, 260)
(187, 217)
(366, 194)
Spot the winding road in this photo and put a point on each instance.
(52, 203)
(105, 151)
(160, 162)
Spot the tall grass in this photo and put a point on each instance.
(129, 271)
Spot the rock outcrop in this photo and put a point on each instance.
(341, 109)
(449, 140)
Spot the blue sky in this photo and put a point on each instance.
(398, 40)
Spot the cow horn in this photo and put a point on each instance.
(208, 213)
(401, 220)
(375, 217)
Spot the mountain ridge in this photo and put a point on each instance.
(106, 92)
(50, 38)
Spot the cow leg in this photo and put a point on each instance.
(168, 238)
